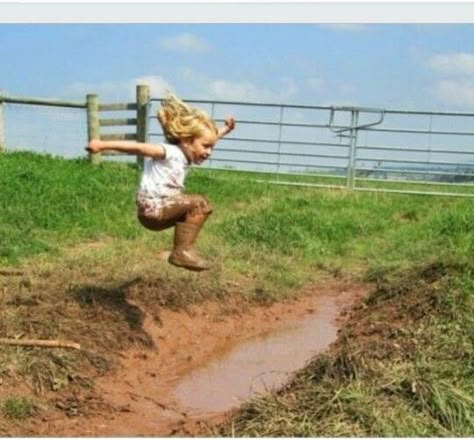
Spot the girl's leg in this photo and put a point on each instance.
(187, 213)
(186, 233)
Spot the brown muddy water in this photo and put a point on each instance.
(258, 365)
(207, 362)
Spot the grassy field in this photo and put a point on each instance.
(403, 365)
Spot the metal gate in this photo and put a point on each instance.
(364, 149)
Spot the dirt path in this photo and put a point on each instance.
(140, 397)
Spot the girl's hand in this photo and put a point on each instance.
(230, 123)
(94, 146)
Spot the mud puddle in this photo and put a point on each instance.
(209, 360)
(258, 365)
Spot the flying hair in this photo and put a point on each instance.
(181, 121)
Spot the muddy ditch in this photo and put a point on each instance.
(201, 364)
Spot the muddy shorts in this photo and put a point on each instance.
(161, 213)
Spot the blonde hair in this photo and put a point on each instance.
(181, 121)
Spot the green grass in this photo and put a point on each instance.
(17, 407)
(72, 229)
(403, 366)
(48, 202)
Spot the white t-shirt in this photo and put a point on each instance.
(161, 178)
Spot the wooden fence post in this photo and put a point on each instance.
(143, 99)
(93, 127)
(2, 129)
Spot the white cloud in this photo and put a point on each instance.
(345, 27)
(316, 84)
(187, 43)
(453, 63)
(290, 87)
(116, 91)
(247, 91)
(204, 87)
(158, 85)
(347, 89)
(105, 89)
(460, 92)
(196, 81)
(196, 86)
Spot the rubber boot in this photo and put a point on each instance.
(183, 253)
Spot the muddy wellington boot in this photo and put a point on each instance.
(183, 253)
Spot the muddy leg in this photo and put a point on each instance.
(186, 232)
(187, 213)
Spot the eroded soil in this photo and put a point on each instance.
(139, 399)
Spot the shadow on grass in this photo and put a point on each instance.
(113, 301)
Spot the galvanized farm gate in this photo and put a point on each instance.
(359, 148)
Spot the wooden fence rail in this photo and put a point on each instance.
(94, 121)
(30, 101)
(40, 101)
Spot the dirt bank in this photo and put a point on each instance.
(138, 398)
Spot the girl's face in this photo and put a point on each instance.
(200, 147)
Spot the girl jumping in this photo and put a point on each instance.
(191, 136)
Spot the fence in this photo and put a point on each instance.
(41, 125)
(95, 123)
(67, 126)
(364, 149)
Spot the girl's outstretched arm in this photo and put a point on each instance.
(229, 125)
(155, 151)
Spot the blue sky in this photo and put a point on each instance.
(406, 66)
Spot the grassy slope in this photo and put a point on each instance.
(274, 236)
(402, 366)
